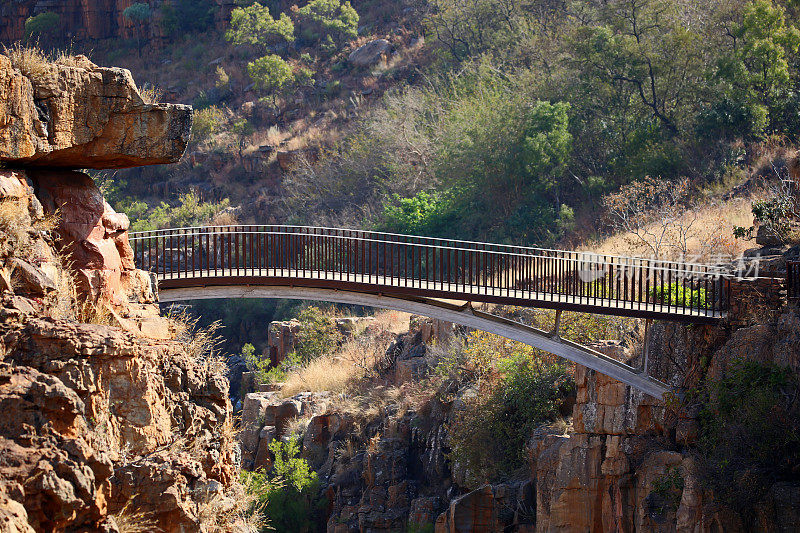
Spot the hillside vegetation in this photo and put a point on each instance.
(505, 120)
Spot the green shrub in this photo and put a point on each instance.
(750, 432)
(271, 74)
(677, 294)
(418, 215)
(666, 493)
(206, 123)
(488, 436)
(288, 494)
(42, 26)
(318, 334)
(331, 18)
(254, 25)
(190, 210)
(260, 364)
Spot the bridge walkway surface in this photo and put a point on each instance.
(415, 274)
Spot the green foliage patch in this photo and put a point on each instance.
(190, 210)
(519, 391)
(750, 432)
(42, 26)
(288, 494)
(677, 294)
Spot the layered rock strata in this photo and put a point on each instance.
(110, 418)
(79, 115)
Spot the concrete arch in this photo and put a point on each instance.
(463, 315)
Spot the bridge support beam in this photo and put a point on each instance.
(459, 314)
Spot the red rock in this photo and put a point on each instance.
(94, 236)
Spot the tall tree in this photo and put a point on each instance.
(138, 14)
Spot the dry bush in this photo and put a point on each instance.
(224, 218)
(201, 344)
(296, 427)
(15, 223)
(771, 158)
(67, 59)
(151, 94)
(235, 512)
(31, 61)
(655, 214)
(703, 232)
(132, 520)
(391, 321)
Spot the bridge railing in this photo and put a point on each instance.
(451, 268)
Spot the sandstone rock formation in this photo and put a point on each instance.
(100, 425)
(93, 236)
(370, 54)
(84, 20)
(84, 116)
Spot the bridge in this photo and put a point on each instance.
(439, 278)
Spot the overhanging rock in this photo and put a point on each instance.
(84, 116)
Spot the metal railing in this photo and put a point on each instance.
(424, 266)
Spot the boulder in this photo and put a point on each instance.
(93, 234)
(32, 280)
(85, 116)
(291, 159)
(370, 54)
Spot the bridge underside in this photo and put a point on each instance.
(463, 315)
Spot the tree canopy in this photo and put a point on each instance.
(255, 25)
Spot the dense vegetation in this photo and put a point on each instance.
(749, 432)
(535, 109)
(288, 494)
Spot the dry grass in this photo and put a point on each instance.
(34, 63)
(234, 513)
(356, 359)
(201, 344)
(296, 427)
(711, 234)
(31, 61)
(14, 224)
(151, 94)
(392, 321)
(326, 373)
(132, 520)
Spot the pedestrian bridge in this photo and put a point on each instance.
(425, 276)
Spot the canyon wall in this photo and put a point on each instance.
(626, 461)
(85, 20)
(110, 415)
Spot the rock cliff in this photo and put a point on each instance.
(79, 115)
(111, 416)
(83, 20)
(626, 462)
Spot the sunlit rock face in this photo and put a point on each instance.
(85, 116)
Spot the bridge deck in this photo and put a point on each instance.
(396, 286)
(411, 266)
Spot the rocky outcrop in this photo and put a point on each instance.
(84, 408)
(109, 418)
(93, 235)
(84, 116)
(282, 339)
(370, 54)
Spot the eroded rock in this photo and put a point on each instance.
(370, 54)
(85, 116)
